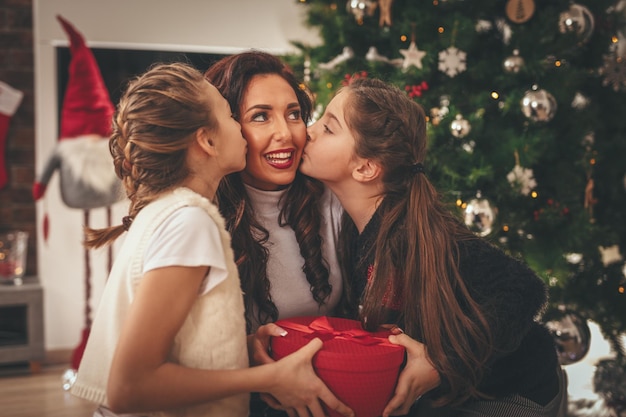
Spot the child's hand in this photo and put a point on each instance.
(259, 343)
(298, 390)
(417, 378)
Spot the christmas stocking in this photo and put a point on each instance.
(10, 99)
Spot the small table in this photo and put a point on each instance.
(21, 323)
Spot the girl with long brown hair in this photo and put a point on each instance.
(468, 311)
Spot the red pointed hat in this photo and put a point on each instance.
(87, 107)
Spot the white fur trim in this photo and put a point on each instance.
(88, 158)
(10, 99)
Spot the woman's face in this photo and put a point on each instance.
(329, 153)
(272, 124)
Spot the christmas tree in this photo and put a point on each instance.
(526, 102)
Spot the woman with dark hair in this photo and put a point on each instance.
(468, 311)
(284, 225)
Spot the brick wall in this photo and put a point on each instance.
(17, 208)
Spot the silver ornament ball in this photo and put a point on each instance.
(359, 8)
(539, 105)
(514, 63)
(479, 215)
(571, 334)
(460, 127)
(577, 19)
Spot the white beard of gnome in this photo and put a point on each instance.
(87, 176)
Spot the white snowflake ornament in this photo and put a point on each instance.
(614, 71)
(610, 254)
(452, 61)
(522, 178)
(412, 56)
(580, 101)
(483, 26)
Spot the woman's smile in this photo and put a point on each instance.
(280, 159)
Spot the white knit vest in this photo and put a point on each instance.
(212, 337)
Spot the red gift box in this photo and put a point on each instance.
(361, 368)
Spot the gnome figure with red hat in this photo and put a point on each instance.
(87, 175)
(82, 157)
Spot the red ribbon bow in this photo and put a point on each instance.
(322, 328)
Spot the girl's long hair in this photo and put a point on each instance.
(301, 208)
(416, 251)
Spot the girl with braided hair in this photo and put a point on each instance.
(169, 336)
(468, 311)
